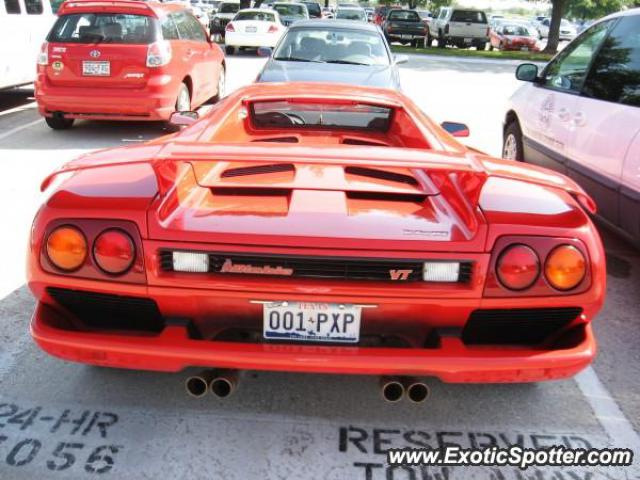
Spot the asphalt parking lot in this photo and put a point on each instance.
(64, 420)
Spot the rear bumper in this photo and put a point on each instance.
(154, 102)
(173, 349)
(235, 39)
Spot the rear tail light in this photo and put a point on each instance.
(518, 267)
(230, 27)
(158, 54)
(43, 55)
(273, 29)
(114, 251)
(67, 248)
(565, 267)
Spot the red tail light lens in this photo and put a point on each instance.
(114, 251)
(43, 56)
(230, 27)
(518, 267)
(67, 248)
(272, 29)
(565, 267)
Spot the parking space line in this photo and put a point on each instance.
(22, 108)
(607, 411)
(8, 133)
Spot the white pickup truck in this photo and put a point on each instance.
(461, 27)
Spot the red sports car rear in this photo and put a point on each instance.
(315, 228)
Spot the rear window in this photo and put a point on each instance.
(350, 14)
(519, 30)
(468, 16)
(104, 28)
(229, 8)
(256, 16)
(404, 15)
(284, 114)
(289, 10)
(314, 9)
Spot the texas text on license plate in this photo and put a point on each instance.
(96, 69)
(312, 322)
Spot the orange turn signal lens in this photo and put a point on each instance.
(67, 248)
(565, 267)
(518, 267)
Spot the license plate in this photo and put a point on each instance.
(525, 49)
(96, 69)
(311, 322)
(467, 40)
(251, 29)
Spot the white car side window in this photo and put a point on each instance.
(569, 70)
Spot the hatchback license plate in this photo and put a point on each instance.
(96, 69)
(251, 29)
(311, 322)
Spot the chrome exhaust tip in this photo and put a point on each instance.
(418, 392)
(198, 385)
(224, 384)
(392, 389)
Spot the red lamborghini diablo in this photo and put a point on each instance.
(314, 228)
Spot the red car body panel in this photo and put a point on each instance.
(513, 42)
(172, 194)
(132, 90)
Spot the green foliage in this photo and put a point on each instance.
(592, 9)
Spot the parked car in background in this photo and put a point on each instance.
(461, 27)
(370, 11)
(351, 13)
(513, 36)
(380, 14)
(313, 8)
(333, 51)
(406, 27)
(253, 28)
(567, 30)
(581, 116)
(291, 12)
(258, 237)
(23, 28)
(226, 11)
(123, 60)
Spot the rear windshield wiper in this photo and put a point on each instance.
(298, 59)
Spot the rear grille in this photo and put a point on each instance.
(316, 267)
(110, 312)
(530, 326)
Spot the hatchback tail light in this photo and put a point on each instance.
(158, 54)
(43, 55)
(114, 251)
(273, 29)
(230, 27)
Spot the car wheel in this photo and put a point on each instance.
(59, 123)
(229, 50)
(481, 47)
(183, 101)
(513, 149)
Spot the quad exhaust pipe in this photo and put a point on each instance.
(394, 389)
(220, 383)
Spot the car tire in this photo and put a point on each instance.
(183, 99)
(59, 122)
(481, 47)
(229, 50)
(513, 147)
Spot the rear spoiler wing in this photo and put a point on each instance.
(71, 6)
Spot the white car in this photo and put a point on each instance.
(253, 27)
(567, 29)
(23, 28)
(462, 27)
(581, 116)
(351, 13)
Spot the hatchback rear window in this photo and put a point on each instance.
(256, 16)
(468, 16)
(284, 114)
(104, 28)
(229, 8)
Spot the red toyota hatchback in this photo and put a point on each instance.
(125, 60)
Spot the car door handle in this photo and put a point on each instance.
(579, 119)
(564, 114)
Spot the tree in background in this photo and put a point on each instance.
(592, 9)
(557, 10)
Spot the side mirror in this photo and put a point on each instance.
(401, 59)
(456, 129)
(183, 119)
(527, 72)
(264, 52)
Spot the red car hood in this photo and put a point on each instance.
(321, 197)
